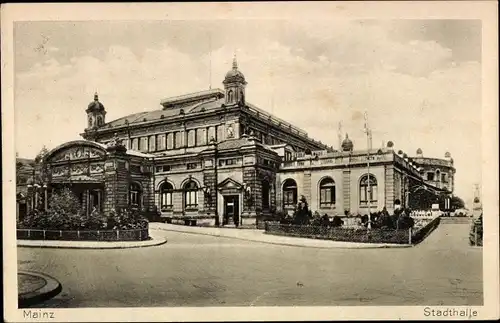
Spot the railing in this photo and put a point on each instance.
(84, 235)
(354, 234)
(340, 233)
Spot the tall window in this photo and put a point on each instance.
(327, 192)
(135, 144)
(191, 138)
(201, 137)
(265, 194)
(220, 133)
(170, 140)
(190, 195)
(430, 176)
(290, 192)
(364, 193)
(152, 143)
(211, 133)
(144, 144)
(161, 142)
(135, 195)
(179, 141)
(438, 175)
(166, 192)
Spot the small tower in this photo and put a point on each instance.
(96, 114)
(347, 144)
(234, 85)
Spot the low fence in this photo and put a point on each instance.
(420, 234)
(340, 233)
(84, 235)
(347, 234)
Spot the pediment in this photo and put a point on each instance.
(229, 183)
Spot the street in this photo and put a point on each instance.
(195, 270)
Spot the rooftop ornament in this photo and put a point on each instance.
(390, 144)
(116, 144)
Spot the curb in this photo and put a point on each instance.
(111, 245)
(384, 246)
(51, 289)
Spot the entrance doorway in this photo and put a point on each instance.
(231, 210)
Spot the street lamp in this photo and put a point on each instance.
(214, 142)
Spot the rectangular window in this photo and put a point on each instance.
(179, 140)
(161, 142)
(220, 133)
(289, 197)
(170, 140)
(191, 138)
(443, 178)
(166, 200)
(152, 143)
(191, 199)
(192, 165)
(144, 144)
(162, 168)
(135, 144)
(430, 176)
(201, 137)
(126, 143)
(211, 133)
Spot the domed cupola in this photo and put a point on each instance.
(96, 113)
(347, 144)
(95, 105)
(234, 84)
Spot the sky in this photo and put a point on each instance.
(419, 81)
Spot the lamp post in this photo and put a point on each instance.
(368, 144)
(214, 142)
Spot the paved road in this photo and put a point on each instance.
(195, 270)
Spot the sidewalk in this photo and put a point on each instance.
(156, 239)
(34, 288)
(259, 236)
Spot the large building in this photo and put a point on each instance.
(213, 157)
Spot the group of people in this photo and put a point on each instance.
(401, 218)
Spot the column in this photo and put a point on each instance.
(46, 198)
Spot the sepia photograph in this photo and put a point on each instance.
(211, 163)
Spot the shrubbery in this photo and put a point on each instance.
(401, 220)
(65, 213)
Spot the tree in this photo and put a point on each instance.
(456, 203)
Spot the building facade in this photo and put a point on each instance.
(213, 157)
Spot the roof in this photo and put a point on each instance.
(215, 93)
(138, 154)
(241, 142)
(195, 107)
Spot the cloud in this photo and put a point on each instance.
(413, 94)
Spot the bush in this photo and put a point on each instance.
(66, 213)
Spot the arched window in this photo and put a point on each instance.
(135, 196)
(230, 96)
(99, 121)
(327, 194)
(438, 175)
(265, 194)
(290, 192)
(364, 193)
(190, 195)
(166, 192)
